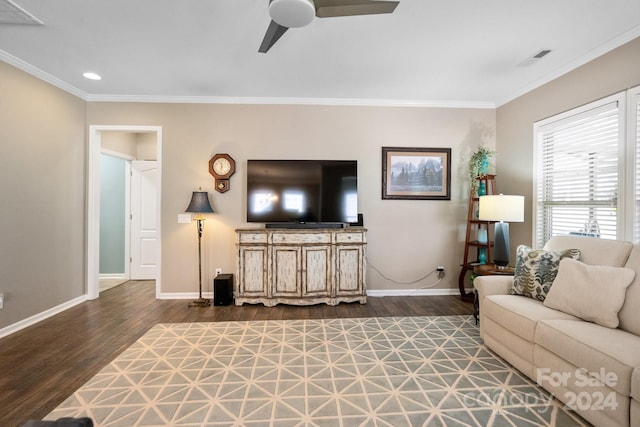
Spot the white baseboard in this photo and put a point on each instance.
(118, 276)
(8, 330)
(185, 295)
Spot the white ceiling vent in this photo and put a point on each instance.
(11, 13)
(535, 57)
(542, 53)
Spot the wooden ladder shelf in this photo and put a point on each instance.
(472, 247)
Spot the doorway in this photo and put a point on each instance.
(101, 141)
(114, 207)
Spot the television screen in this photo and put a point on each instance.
(302, 191)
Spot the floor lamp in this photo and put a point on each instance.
(502, 209)
(199, 205)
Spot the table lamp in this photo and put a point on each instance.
(502, 209)
(199, 204)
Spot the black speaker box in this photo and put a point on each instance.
(223, 289)
(358, 223)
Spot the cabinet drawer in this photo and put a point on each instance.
(301, 238)
(349, 238)
(252, 237)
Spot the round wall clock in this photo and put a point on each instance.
(222, 166)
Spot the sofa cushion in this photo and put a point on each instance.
(593, 250)
(591, 292)
(592, 347)
(630, 312)
(519, 314)
(536, 269)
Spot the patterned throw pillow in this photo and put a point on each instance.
(536, 269)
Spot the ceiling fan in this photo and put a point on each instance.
(287, 14)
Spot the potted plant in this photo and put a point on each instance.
(479, 165)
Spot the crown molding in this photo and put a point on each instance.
(289, 101)
(42, 75)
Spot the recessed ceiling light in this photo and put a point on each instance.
(91, 76)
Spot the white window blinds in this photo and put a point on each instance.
(577, 167)
(634, 125)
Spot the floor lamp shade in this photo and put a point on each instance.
(199, 203)
(503, 210)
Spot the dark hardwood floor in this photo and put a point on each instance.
(45, 363)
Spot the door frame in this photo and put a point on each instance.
(93, 203)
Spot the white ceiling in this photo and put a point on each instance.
(428, 52)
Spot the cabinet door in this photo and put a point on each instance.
(286, 271)
(316, 271)
(350, 270)
(252, 269)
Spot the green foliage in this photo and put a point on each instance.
(476, 164)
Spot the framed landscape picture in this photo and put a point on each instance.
(410, 173)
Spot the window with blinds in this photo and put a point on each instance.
(578, 168)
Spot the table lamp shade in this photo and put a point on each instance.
(502, 209)
(199, 203)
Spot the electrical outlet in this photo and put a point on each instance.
(440, 271)
(218, 271)
(184, 218)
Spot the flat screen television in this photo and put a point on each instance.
(302, 191)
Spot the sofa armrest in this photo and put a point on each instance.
(492, 285)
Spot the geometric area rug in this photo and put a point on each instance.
(393, 371)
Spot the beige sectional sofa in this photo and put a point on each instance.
(594, 369)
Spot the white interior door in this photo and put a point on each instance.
(144, 227)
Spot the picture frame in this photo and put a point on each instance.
(414, 173)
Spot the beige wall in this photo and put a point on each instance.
(42, 184)
(614, 72)
(146, 146)
(135, 145)
(407, 239)
(119, 142)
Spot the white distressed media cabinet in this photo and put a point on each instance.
(300, 266)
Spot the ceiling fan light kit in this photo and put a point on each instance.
(287, 14)
(292, 13)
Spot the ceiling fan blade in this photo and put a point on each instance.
(331, 8)
(273, 34)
